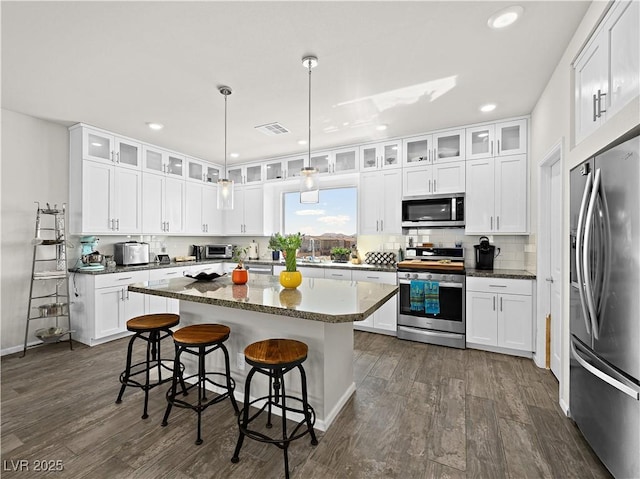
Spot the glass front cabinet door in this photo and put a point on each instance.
(418, 150)
(448, 146)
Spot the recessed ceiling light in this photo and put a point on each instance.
(302, 142)
(505, 17)
(155, 126)
(234, 155)
(488, 107)
(381, 127)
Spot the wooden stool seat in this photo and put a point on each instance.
(276, 352)
(148, 322)
(201, 334)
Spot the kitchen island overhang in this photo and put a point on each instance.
(320, 312)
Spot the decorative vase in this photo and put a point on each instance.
(290, 298)
(239, 275)
(290, 279)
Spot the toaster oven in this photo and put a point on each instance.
(131, 253)
(218, 251)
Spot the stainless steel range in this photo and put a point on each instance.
(431, 303)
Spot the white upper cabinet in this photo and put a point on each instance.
(381, 156)
(199, 171)
(163, 204)
(275, 170)
(499, 139)
(379, 202)
(247, 216)
(418, 150)
(345, 160)
(157, 160)
(321, 161)
(102, 146)
(441, 178)
(607, 70)
(105, 183)
(496, 195)
(202, 215)
(246, 174)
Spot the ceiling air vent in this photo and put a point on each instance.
(272, 129)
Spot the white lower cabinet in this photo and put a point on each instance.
(385, 319)
(104, 305)
(499, 315)
(159, 304)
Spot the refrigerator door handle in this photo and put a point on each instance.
(579, 237)
(635, 394)
(593, 314)
(606, 254)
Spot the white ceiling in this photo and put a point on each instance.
(415, 66)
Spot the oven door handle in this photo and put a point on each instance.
(441, 283)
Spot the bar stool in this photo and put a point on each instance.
(149, 328)
(195, 340)
(274, 358)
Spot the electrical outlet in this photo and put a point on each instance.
(241, 364)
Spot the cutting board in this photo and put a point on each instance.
(420, 264)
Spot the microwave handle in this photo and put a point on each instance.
(454, 207)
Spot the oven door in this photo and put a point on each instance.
(451, 317)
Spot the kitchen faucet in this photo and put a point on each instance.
(313, 249)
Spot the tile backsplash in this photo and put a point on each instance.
(516, 252)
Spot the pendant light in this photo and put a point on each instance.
(309, 181)
(225, 186)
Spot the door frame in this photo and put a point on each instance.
(555, 154)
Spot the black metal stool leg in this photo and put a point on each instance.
(244, 420)
(171, 394)
(305, 405)
(228, 377)
(201, 391)
(272, 386)
(146, 374)
(285, 440)
(127, 370)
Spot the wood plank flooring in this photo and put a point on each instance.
(419, 411)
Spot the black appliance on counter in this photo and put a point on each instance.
(485, 254)
(197, 252)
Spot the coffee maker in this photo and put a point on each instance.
(485, 253)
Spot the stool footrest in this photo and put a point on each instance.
(219, 397)
(142, 369)
(280, 442)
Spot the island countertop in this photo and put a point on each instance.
(316, 299)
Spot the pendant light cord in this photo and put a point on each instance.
(225, 133)
(309, 142)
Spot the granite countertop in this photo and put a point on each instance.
(316, 299)
(501, 273)
(248, 263)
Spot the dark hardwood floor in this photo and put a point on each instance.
(420, 411)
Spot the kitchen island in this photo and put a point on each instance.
(320, 312)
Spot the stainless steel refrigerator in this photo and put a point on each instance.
(604, 396)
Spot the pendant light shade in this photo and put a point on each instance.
(309, 181)
(225, 186)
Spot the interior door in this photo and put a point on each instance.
(555, 266)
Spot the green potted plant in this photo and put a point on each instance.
(274, 246)
(289, 244)
(340, 254)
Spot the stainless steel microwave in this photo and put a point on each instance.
(434, 211)
(218, 251)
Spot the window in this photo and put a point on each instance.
(330, 223)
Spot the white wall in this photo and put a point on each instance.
(551, 122)
(35, 167)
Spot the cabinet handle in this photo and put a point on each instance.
(122, 294)
(112, 160)
(595, 102)
(127, 294)
(491, 223)
(435, 157)
(600, 110)
(500, 303)
(497, 223)
(377, 221)
(118, 157)
(168, 226)
(373, 277)
(429, 186)
(381, 225)
(174, 272)
(125, 279)
(497, 286)
(498, 151)
(434, 186)
(494, 303)
(491, 147)
(118, 224)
